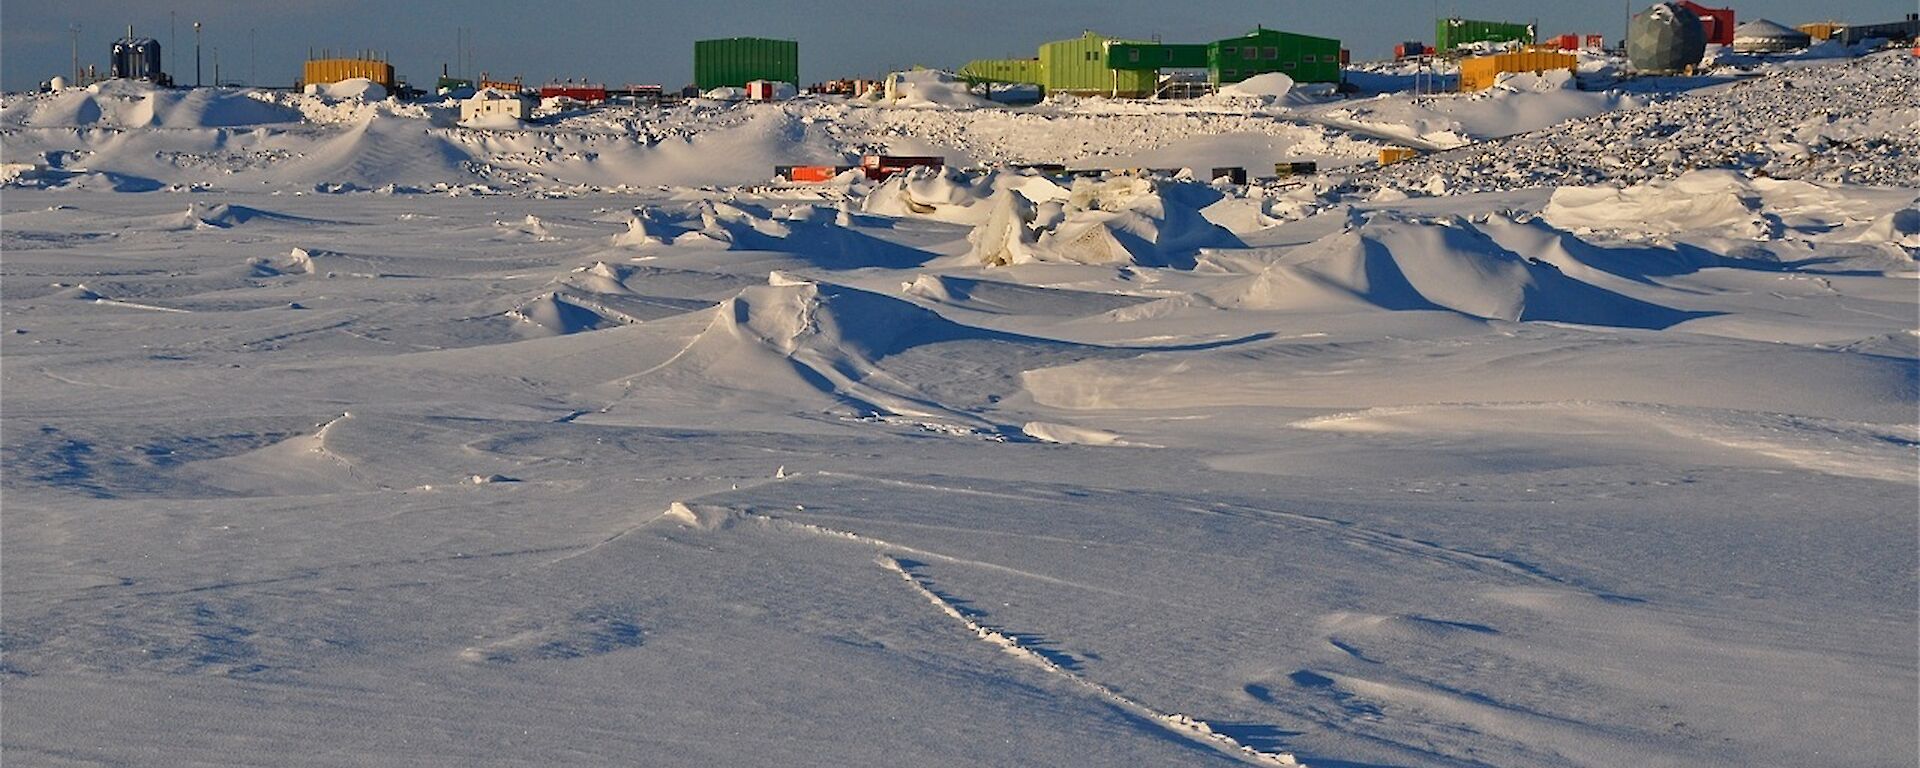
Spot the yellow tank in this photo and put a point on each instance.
(336, 70)
(1481, 72)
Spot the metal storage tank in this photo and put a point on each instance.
(1765, 36)
(1666, 39)
(1079, 66)
(137, 58)
(1449, 34)
(735, 61)
(1304, 58)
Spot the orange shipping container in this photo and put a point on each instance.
(1392, 155)
(1481, 72)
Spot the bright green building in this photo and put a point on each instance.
(1304, 58)
(1077, 66)
(1095, 65)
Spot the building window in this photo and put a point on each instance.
(1167, 55)
(1090, 55)
(1230, 74)
(1134, 55)
(1308, 59)
(1269, 52)
(1229, 51)
(1291, 65)
(1250, 54)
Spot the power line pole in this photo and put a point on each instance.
(196, 54)
(76, 54)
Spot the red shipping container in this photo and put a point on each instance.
(1596, 42)
(1718, 21)
(1568, 42)
(814, 173)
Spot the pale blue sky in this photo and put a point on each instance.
(652, 42)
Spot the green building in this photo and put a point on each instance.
(1449, 34)
(735, 61)
(1078, 66)
(1024, 71)
(1137, 56)
(1094, 65)
(1304, 58)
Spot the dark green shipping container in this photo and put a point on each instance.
(1449, 34)
(735, 61)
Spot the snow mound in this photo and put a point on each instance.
(1272, 85)
(792, 315)
(948, 195)
(1067, 434)
(929, 89)
(1122, 220)
(817, 345)
(351, 89)
(992, 297)
(562, 312)
(296, 262)
(129, 104)
(1399, 262)
(803, 231)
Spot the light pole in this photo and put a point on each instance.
(196, 54)
(76, 54)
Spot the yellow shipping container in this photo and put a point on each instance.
(336, 70)
(1480, 72)
(1392, 155)
(1821, 30)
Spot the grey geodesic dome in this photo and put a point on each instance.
(1665, 39)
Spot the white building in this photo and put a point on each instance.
(491, 104)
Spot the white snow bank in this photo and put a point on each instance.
(929, 89)
(1400, 262)
(350, 89)
(1270, 85)
(1121, 220)
(128, 104)
(1720, 202)
(951, 196)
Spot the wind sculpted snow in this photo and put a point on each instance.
(405, 443)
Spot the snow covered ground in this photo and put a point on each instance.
(338, 434)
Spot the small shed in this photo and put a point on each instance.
(489, 103)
